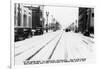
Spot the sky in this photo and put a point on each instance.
(65, 15)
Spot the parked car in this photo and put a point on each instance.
(38, 31)
(67, 30)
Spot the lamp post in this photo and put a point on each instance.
(47, 14)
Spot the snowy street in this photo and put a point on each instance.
(54, 45)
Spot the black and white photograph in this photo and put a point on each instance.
(47, 34)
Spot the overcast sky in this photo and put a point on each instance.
(65, 15)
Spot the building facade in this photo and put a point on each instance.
(23, 16)
(86, 21)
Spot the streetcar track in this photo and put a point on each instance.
(85, 42)
(88, 47)
(88, 40)
(19, 53)
(27, 50)
(24, 51)
(41, 48)
(55, 47)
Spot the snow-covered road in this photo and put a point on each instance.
(53, 46)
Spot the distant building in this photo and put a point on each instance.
(73, 26)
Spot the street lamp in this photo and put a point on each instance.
(47, 14)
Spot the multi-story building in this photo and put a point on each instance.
(86, 21)
(26, 19)
(23, 16)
